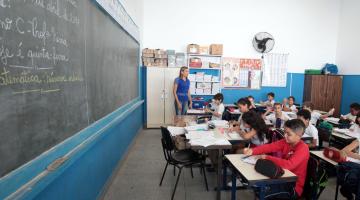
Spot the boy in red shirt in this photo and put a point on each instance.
(295, 158)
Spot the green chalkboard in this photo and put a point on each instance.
(63, 65)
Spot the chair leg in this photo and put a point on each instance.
(162, 178)
(177, 181)
(174, 170)
(205, 179)
(191, 170)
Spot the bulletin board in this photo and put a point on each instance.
(241, 73)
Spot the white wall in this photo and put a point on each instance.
(348, 50)
(306, 29)
(135, 9)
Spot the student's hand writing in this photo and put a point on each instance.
(248, 151)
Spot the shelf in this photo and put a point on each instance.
(203, 94)
(204, 55)
(206, 81)
(205, 68)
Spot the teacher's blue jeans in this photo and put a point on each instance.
(184, 107)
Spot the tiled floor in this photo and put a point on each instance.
(139, 177)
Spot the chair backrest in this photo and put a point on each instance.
(316, 179)
(166, 136)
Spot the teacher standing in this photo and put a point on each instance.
(181, 92)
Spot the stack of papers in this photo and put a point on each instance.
(250, 159)
(235, 135)
(347, 132)
(332, 119)
(205, 138)
(174, 130)
(199, 127)
(220, 123)
(194, 111)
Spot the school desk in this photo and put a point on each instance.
(247, 172)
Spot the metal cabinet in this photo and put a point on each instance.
(159, 97)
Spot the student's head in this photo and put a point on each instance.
(294, 129)
(305, 116)
(218, 98)
(244, 105)
(184, 72)
(308, 106)
(291, 100)
(354, 108)
(277, 107)
(251, 98)
(270, 96)
(254, 121)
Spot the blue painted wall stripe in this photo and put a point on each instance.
(350, 92)
(232, 95)
(14, 180)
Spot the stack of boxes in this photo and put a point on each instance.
(180, 59)
(148, 57)
(162, 58)
(203, 84)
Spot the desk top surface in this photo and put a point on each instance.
(249, 172)
(341, 135)
(320, 155)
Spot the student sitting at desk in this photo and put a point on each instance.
(355, 128)
(270, 100)
(295, 158)
(310, 130)
(315, 116)
(244, 106)
(217, 107)
(354, 110)
(255, 124)
(289, 104)
(278, 118)
(254, 130)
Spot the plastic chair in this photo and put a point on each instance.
(180, 158)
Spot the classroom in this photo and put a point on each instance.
(180, 100)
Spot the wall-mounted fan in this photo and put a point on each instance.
(263, 42)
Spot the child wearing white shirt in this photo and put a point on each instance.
(278, 118)
(311, 130)
(315, 116)
(356, 126)
(354, 110)
(218, 107)
(270, 100)
(289, 104)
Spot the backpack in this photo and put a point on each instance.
(348, 177)
(329, 69)
(326, 126)
(316, 179)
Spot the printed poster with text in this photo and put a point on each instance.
(250, 69)
(231, 72)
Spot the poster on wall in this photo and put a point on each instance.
(231, 72)
(275, 70)
(241, 73)
(253, 66)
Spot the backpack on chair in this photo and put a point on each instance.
(316, 179)
(348, 177)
